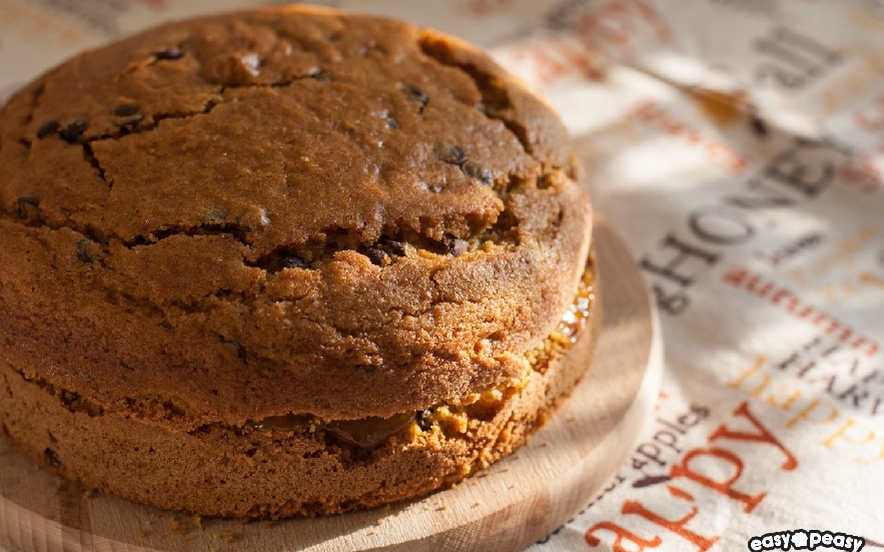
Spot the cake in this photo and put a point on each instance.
(288, 261)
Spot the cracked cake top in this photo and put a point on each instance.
(282, 211)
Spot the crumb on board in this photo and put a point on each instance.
(143, 533)
(227, 536)
(443, 506)
(177, 526)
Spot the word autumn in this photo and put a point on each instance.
(801, 539)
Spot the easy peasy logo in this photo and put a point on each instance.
(801, 539)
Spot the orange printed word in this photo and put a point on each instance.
(742, 278)
(716, 460)
(842, 432)
(653, 115)
(551, 57)
(616, 24)
(861, 172)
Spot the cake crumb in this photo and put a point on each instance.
(88, 493)
(477, 504)
(197, 522)
(443, 506)
(143, 533)
(227, 536)
(178, 527)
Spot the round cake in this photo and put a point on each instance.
(290, 261)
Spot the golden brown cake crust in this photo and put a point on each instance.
(278, 212)
(286, 261)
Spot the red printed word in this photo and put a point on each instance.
(616, 24)
(742, 278)
(725, 460)
(653, 115)
(551, 57)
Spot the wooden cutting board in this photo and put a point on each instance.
(504, 508)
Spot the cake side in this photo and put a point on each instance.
(285, 466)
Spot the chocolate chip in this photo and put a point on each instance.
(417, 95)
(451, 154)
(82, 249)
(125, 110)
(482, 174)
(455, 246)
(292, 261)
(24, 205)
(47, 128)
(320, 76)
(392, 123)
(51, 457)
(377, 256)
(74, 130)
(129, 124)
(393, 246)
(169, 53)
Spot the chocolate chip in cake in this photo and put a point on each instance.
(455, 246)
(378, 257)
(86, 250)
(125, 110)
(393, 246)
(392, 123)
(292, 261)
(482, 174)
(318, 75)
(73, 131)
(169, 53)
(451, 154)
(51, 457)
(26, 205)
(417, 95)
(48, 127)
(130, 123)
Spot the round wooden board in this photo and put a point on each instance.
(504, 508)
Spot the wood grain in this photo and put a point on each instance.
(502, 509)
